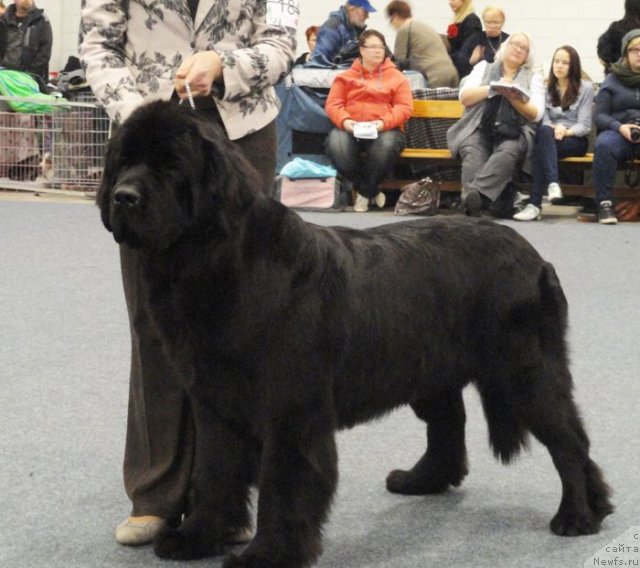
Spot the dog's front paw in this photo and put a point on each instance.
(174, 544)
(571, 523)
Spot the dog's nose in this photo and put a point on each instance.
(126, 195)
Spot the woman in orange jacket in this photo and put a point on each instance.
(369, 104)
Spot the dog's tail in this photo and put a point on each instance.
(537, 328)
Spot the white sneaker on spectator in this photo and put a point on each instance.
(529, 213)
(554, 192)
(380, 200)
(362, 204)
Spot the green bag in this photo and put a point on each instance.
(19, 84)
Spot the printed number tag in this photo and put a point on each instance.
(283, 13)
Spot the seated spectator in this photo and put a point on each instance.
(26, 39)
(311, 33)
(3, 8)
(497, 128)
(337, 41)
(465, 24)
(617, 119)
(419, 47)
(609, 42)
(564, 130)
(372, 91)
(483, 46)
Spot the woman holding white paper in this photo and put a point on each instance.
(495, 134)
(369, 104)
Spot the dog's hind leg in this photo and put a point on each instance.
(545, 405)
(539, 395)
(298, 478)
(225, 467)
(445, 461)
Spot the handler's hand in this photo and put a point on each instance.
(200, 70)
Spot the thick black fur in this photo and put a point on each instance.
(284, 332)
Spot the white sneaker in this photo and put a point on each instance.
(554, 192)
(529, 213)
(362, 204)
(380, 200)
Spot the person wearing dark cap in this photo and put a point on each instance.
(337, 43)
(617, 119)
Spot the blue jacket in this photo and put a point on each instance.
(337, 42)
(615, 104)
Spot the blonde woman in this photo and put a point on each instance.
(483, 46)
(496, 132)
(465, 24)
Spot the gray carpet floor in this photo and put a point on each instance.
(64, 354)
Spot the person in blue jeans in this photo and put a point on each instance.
(374, 92)
(564, 130)
(617, 118)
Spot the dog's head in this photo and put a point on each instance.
(169, 175)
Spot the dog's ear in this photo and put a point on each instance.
(228, 175)
(109, 173)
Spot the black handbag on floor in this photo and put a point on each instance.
(418, 198)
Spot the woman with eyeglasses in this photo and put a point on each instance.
(311, 33)
(617, 119)
(494, 137)
(483, 45)
(564, 130)
(368, 104)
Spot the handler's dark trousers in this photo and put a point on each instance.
(158, 456)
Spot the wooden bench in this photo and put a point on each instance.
(453, 109)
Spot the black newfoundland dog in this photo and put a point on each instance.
(284, 332)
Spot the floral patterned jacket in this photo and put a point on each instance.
(131, 50)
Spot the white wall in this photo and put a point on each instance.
(65, 21)
(551, 23)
